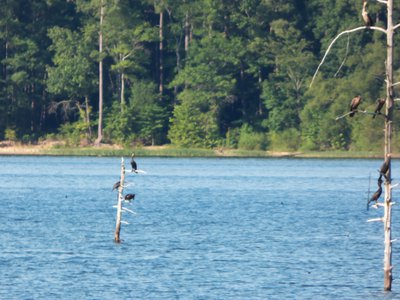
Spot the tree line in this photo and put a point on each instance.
(192, 73)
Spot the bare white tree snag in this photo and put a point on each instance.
(389, 109)
(387, 262)
(336, 38)
(119, 205)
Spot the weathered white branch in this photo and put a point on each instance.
(397, 83)
(375, 220)
(337, 37)
(125, 222)
(396, 26)
(382, 1)
(128, 210)
(138, 171)
(357, 110)
(345, 56)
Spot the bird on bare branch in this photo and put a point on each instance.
(116, 185)
(366, 16)
(377, 194)
(379, 104)
(384, 168)
(355, 102)
(129, 197)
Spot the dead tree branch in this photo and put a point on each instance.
(336, 38)
(357, 110)
(345, 56)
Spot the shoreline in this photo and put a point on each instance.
(57, 149)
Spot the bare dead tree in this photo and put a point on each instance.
(389, 109)
(119, 204)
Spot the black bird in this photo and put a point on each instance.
(133, 164)
(366, 16)
(379, 104)
(116, 185)
(355, 102)
(129, 197)
(378, 192)
(384, 168)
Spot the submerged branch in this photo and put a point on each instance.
(336, 38)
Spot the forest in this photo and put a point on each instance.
(193, 74)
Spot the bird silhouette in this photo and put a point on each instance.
(116, 185)
(129, 197)
(377, 194)
(384, 169)
(133, 163)
(379, 104)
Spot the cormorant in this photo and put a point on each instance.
(116, 185)
(378, 192)
(355, 102)
(133, 164)
(129, 197)
(384, 168)
(379, 104)
(366, 16)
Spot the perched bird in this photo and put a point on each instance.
(384, 168)
(116, 185)
(129, 197)
(378, 192)
(379, 104)
(133, 164)
(366, 16)
(355, 102)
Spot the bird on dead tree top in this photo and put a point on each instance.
(379, 104)
(366, 16)
(355, 102)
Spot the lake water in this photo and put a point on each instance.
(205, 228)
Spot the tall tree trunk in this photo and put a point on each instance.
(187, 33)
(117, 238)
(122, 91)
(387, 268)
(88, 117)
(161, 46)
(100, 125)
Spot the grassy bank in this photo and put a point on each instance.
(169, 151)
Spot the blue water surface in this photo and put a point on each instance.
(205, 228)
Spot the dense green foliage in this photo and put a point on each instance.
(229, 73)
